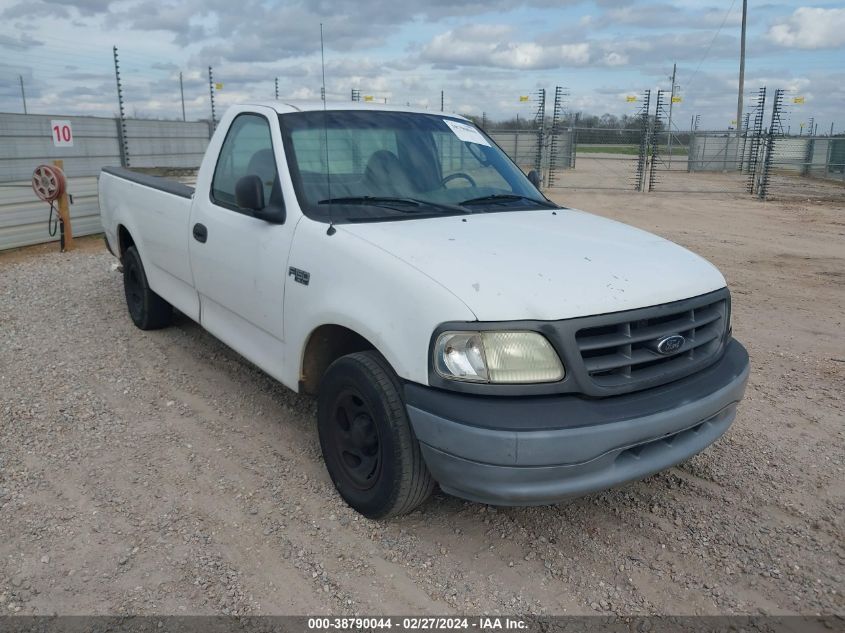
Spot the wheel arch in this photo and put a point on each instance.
(124, 239)
(324, 345)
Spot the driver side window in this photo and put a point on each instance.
(246, 151)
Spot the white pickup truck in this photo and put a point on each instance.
(456, 326)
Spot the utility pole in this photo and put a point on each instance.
(277, 88)
(671, 103)
(741, 65)
(23, 94)
(441, 101)
(182, 94)
(211, 95)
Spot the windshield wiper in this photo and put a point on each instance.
(387, 202)
(368, 200)
(507, 197)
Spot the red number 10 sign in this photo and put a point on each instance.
(62, 133)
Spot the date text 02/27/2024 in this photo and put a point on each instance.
(418, 623)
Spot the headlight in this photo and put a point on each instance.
(499, 357)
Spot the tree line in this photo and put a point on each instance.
(576, 119)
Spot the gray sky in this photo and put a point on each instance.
(484, 55)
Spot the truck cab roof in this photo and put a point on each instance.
(286, 106)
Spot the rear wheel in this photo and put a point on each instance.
(369, 447)
(147, 310)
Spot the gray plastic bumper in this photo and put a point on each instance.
(495, 461)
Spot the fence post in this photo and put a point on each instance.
(808, 156)
(121, 122)
(654, 140)
(692, 155)
(540, 122)
(211, 98)
(776, 126)
(121, 143)
(642, 157)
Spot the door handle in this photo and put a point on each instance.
(200, 232)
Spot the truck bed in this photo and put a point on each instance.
(156, 212)
(167, 185)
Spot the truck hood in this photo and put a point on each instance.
(544, 265)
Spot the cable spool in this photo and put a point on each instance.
(48, 183)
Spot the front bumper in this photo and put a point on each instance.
(536, 450)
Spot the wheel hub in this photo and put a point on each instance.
(133, 290)
(356, 441)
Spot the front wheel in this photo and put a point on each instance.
(369, 447)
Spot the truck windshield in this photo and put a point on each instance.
(378, 165)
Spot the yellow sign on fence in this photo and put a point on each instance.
(218, 86)
(676, 99)
(630, 98)
(368, 97)
(523, 98)
(798, 100)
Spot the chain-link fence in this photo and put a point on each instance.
(520, 145)
(699, 162)
(641, 155)
(599, 158)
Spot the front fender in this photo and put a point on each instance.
(360, 286)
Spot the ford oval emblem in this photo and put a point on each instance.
(670, 344)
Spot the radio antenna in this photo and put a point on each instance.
(331, 230)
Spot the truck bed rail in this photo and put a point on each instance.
(156, 182)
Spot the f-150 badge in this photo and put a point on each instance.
(299, 276)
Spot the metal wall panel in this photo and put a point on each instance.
(26, 141)
(23, 217)
(166, 143)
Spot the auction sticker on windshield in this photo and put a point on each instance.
(466, 132)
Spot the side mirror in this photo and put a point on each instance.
(249, 193)
(534, 178)
(271, 214)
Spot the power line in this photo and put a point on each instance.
(707, 52)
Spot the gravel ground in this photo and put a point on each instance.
(161, 473)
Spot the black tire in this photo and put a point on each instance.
(147, 310)
(369, 447)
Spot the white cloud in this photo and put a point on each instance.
(490, 45)
(811, 28)
(494, 46)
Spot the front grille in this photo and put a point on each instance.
(620, 352)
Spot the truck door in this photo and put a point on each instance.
(239, 261)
